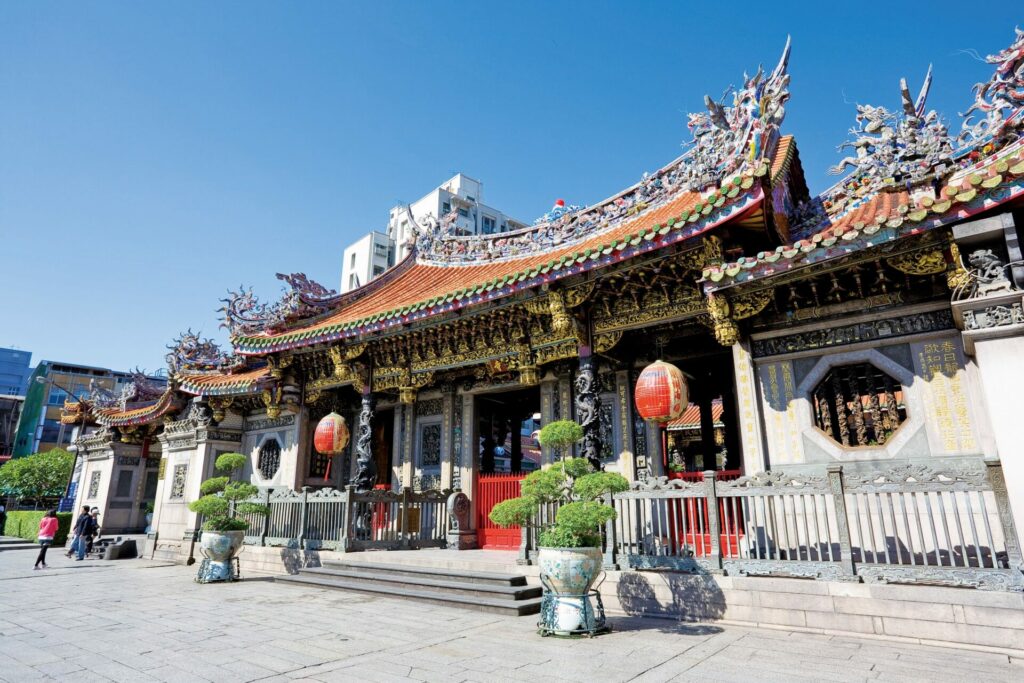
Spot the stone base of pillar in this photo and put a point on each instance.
(462, 540)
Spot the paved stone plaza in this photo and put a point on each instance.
(137, 620)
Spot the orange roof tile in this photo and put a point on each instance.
(220, 384)
(422, 286)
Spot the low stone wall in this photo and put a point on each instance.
(986, 620)
(959, 617)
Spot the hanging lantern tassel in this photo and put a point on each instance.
(661, 395)
(331, 438)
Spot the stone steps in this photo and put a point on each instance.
(11, 543)
(481, 591)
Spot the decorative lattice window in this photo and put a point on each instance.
(858, 405)
(269, 459)
(318, 463)
(430, 445)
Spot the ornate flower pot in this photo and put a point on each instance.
(568, 574)
(219, 547)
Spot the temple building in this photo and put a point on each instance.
(877, 323)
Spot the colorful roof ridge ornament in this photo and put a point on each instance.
(1000, 99)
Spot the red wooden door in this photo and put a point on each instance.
(493, 489)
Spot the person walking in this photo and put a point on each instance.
(94, 528)
(83, 530)
(81, 522)
(47, 530)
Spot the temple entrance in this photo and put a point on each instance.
(706, 435)
(508, 450)
(383, 445)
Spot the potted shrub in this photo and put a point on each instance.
(569, 552)
(223, 531)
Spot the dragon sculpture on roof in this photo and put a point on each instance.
(1000, 98)
(244, 314)
(892, 149)
(726, 140)
(189, 353)
(140, 389)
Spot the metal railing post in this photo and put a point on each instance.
(835, 484)
(348, 521)
(714, 524)
(610, 540)
(303, 517)
(997, 480)
(266, 518)
(404, 539)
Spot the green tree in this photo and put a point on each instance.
(37, 477)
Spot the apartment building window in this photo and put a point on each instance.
(464, 213)
(57, 397)
(377, 270)
(487, 225)
(446, 208)
(352, 261)
(380, 249)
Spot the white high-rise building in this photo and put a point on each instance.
(370, 256)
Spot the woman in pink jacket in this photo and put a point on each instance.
(47, 530)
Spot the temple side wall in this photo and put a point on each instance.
(939, 388)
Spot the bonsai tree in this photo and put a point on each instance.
(220, 492)
(571, 483)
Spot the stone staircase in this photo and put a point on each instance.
(482, 591)
(10, 543)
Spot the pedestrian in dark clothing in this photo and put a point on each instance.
(47, 530)
(82, 530)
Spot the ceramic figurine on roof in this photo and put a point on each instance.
(999, 99)
(728, 139)
(190, 353)
(244, 314)
(890, 149)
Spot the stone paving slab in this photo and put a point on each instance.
(140, 620)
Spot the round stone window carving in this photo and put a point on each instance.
(269, 458)
(858, 405)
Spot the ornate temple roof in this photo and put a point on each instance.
(908, 175)
(225, 384)
(734, 153)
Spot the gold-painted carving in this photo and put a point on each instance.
(219, 405)
(406, 395)
(529, 376)
(606, 340)
(726, 332)
(921, 262)
(749, 305)
(272, 401)
(957, 276)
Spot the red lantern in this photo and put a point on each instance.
(330, 437)
(661, 392)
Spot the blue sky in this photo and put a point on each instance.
(152, 155)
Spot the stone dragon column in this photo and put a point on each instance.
(366, 467)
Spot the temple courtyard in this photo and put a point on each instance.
(138, 620)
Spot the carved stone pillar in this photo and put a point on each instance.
(754, 457)
(366, 468)
(447, 441)
(469, 460)
(548, 396)
(587, 407)
(406, 444)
